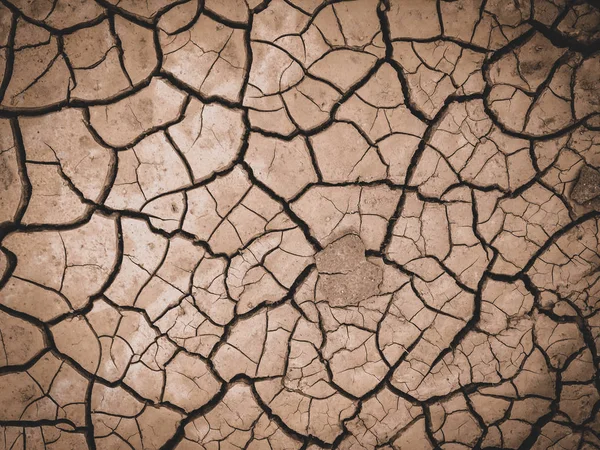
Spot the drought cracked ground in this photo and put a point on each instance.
(299, 225)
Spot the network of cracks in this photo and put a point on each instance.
(296, 224)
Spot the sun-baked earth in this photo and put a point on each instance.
(296, 224)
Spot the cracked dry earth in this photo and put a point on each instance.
(296, 224)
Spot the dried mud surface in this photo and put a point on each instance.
(296, 224)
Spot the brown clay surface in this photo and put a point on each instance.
(296, 224)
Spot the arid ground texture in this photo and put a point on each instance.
(299, 224)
